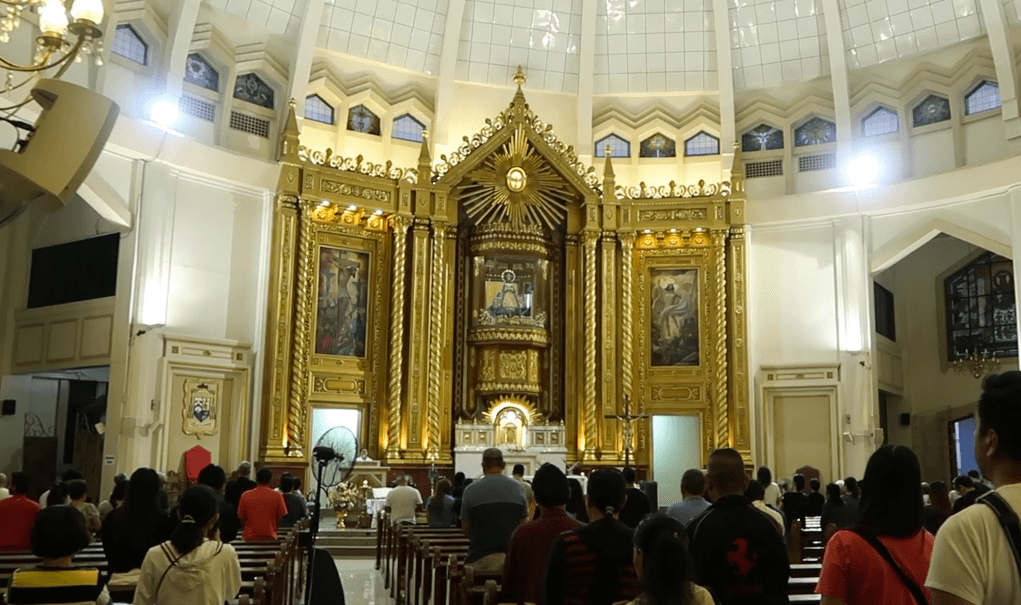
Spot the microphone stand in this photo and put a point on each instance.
(314, 524)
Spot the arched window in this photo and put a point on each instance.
(932, 110)
(251, 88)
(128, 44)
(199, 72)
(658, 146)
(407, 128)
(816, 131)
(881, 121)
(761, 138)
(702, 143)
(619, 147)
(980, 308)
(318, 110)
(361, 119)
(983, 97)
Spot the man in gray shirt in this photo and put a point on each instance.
(692, 503)
(491, 509)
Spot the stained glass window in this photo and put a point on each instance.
(407, 128)
(980, 308)
(199, 72)
(318, 110)
(702, 143)
(761, 138)
(128, 44)
(361, 119)
(881, 121)
(930, 111)
(658, 146)
(619, 147)
(251, 88)
(984, 97)
(816, 131)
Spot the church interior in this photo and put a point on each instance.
(589, 233)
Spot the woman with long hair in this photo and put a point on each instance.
(663, 566)
(191, 567)
(835, 511)
(884, 559)
(576, 508)
(120, 488)
(131, 529)
(938, 509)
(440, 505)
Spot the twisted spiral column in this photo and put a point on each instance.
(591, 433)
(400, 226)
(627, 277)
(296, 407)
(720, 378)
(435, 338)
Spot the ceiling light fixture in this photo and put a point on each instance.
(65, 35)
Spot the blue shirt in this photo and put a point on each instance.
(495, 505)
(687, 509)
(444, 517)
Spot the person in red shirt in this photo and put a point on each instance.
(17, 514)
(261, 508)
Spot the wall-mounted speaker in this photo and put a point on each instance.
(905, 419)
(7, 407)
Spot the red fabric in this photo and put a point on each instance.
(17, 515)
(261, 509)
(196, 459)
(524, 570)
(852, 570)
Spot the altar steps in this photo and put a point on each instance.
(347, 543)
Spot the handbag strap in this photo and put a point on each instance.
(911, 585)
(173, 561)
(1008, 520)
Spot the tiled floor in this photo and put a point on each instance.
(363, 585)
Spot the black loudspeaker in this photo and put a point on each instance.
(905, 419)
(7, 407)
(651, 489)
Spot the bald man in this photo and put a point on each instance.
(737, 551)
(491, 509)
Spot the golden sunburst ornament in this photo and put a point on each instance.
(516, 185)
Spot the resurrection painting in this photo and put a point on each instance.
(674, 317)
(343, 301)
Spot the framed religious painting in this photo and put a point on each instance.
(674, 317)
(342, 301)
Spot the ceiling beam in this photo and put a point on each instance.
(181, 27)
(838, 77)
(725, 82)
(440, 131)
(586, 80)
(1001, 43)
(300, 68)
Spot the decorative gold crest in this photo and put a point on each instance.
(201, 408)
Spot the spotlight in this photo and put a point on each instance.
(352, 208)
(863, 170)
(164, 113)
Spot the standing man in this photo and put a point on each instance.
(637, 504)
(403, 501)
(243, 483)
(972, 561)
(491, 509)
(692, 503)
(518, 472)
(4, 492)
(261, 508)
(17, 515)
(738, 552)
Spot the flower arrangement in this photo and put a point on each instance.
(346, 497)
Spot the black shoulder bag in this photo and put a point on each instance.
(911, 585)
(1008, 520)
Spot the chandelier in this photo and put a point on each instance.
(68, 29)
(976, 363)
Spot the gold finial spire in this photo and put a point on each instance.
(520, 77)
(424, 160)
(289, 141)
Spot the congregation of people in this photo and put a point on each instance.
(889, 537)
(166, 555)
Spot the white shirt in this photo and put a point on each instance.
(971, 557)
(208, 575)
(775, 516)
(4, 493)
(402, 501)
(772, 494)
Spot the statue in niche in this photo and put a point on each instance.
(509, 429)
(509, 302)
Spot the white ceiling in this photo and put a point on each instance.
(639, 46)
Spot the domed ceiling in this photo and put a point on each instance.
(634, 46)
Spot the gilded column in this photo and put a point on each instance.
(438, 278)
(278, 331)
(722, 423)
(590, 289)
(298, 404)
(736, 258)
(627, 351)
(400, 226)
(608, 247)
(418, 353)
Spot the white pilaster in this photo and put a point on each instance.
(179, 33)
(725, 79)
(838, 76)
(301, 61)
(440, 132)
(1002, 42)
(586, 81)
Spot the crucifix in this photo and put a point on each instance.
(627, 419)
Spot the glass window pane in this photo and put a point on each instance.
(318, 110)
(985, 97)
(407, 128)
(128, 44)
